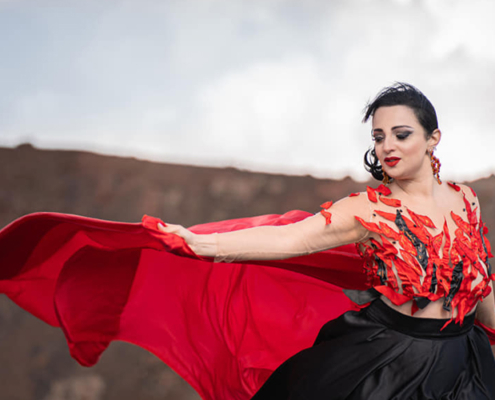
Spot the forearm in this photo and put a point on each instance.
(259, 243)
(205, 245)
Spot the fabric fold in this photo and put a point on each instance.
(216, 324)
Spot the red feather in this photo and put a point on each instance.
(389, 248)
(407, 245)
(371, 194)
(386, 215)
(389, 232)
(382, 189)
(371, 226)
(453, 185)
(421, 219)
(328, 217)
(327, 205)
(411, 262)
(466, 227)
(390, 202)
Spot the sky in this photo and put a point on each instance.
(265, 85)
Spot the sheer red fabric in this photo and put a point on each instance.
(223, 327)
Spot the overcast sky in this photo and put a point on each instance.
(267, 85)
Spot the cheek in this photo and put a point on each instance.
(378, 152)
(414, 149)
(414, 156)
(419, 150)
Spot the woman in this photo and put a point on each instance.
(426, 265)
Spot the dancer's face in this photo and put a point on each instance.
(401, 142)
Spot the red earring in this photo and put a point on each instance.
(386, 178)
(435, 165)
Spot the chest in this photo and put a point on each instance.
(425, 251)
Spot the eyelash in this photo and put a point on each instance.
(400, 136)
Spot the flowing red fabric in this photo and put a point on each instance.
(223, 327)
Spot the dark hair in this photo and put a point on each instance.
(399, 94)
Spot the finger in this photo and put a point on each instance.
(169, 228)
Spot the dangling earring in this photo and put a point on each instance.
(435, 165)
(386, 178)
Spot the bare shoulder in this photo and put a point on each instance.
(471, 198)
(355, 204)
(469, 193)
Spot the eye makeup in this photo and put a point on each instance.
(377, 134)
(403, 135)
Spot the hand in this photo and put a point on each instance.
(178, 230)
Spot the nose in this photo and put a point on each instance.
(388, 144)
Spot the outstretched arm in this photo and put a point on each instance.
(310, 235)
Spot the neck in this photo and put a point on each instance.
(420, 187)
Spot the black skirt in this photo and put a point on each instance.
(379, 353)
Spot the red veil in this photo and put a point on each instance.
(223, 327)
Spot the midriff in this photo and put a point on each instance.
(432, 310)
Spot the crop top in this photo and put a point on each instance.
(404, 252)
(405, 257)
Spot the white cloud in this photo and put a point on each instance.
(264, 103)
(465, 25)
(280, 113)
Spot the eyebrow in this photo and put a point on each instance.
(394, 128)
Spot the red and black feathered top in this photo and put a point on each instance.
(410, 257)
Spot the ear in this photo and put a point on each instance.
(434, 138)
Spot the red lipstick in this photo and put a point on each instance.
(392, 161)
